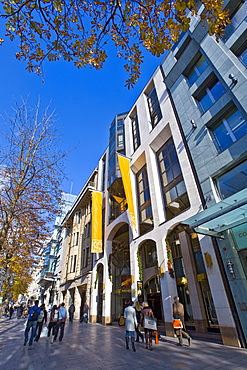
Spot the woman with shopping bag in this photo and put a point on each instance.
(149, 324)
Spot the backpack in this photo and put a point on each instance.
(41, 316)
(34, 315)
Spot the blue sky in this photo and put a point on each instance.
(85, 100)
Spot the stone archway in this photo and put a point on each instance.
(149, 274)
(119, 270)
(191, 278)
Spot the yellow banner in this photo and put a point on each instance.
(124, 165)
(96, 244)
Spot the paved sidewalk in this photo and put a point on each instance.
(94, 346)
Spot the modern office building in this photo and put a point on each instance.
(208, 88)
(173, 181)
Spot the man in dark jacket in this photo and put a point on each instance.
(42, 319)
(33, 314)
(178, 313)
(71, 312)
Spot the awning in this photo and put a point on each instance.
(226, 214)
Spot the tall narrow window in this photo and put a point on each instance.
(154, 107)
(229, 129)
(174, 190)
(233, 181)
(145, 207)
(135, 132)
(74, 265)
(197, 69)
(210, 94)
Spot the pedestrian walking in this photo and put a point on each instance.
(42, 319)
(71, 312)
(147, 311)
(11, 311)
(33, 314)
(53, 321)
(84, 314)
(62, 315)
(178, 313)
(130, 324)
(138, 317)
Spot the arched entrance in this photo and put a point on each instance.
(187, 260)
(119, 264)
(148, 264)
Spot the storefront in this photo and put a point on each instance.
(226, 221)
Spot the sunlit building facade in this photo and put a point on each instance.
(184, 144)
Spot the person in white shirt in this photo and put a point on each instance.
(62, 315)
(130, 324)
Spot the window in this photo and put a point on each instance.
(154, 107)
(241, 53)
(145, 207)
(233, 181)
(77, 238)
(74, 264)
(174, 190)
(229, 129)
(239, 48)
(237, 16)
(150, 253)
(197, 69)
(210, 94)
(120, 140)
(87, 257)
(135, 131)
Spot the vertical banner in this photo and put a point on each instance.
(124, 165)
(96, 243)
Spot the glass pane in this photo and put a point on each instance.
(162, 166)
(164, 151)
(192, 77)
(146, 195)
(222, 136)
(173, 193)
(142, 201)
(170, 145)
(181, 188)
(217, 90)
(149, 212)
(141, 186)
(243, 58)
(206, 102)
(164, 179)
(169, 175)
(233, 181)
(238, 124)
(167, 162)
(176, 170)
(173, 156)
(201, 65)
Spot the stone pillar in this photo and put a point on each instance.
(93, 297)
(107, 290)
(167, 287)
(199, 314)
(77, 303)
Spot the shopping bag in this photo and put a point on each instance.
(150, 323)
(121, 321)
(177, 324)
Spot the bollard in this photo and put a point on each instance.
(156, 337)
